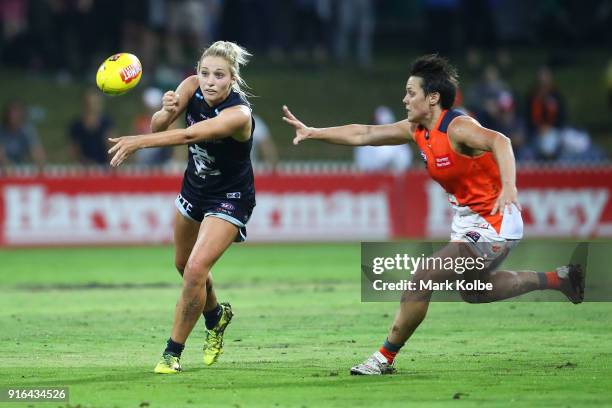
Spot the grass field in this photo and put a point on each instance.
(96, 321)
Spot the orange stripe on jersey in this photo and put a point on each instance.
(472, 181)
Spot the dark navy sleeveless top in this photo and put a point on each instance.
(221, 167)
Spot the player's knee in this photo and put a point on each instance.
(422, 278)
(200, 266)
(195, 274)
(427, 274)
(194, 282)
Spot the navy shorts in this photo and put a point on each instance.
(236, 211)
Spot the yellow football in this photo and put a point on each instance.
(119, 73)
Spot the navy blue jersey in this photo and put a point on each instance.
(219, 168)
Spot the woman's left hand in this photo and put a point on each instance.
(124, 147)
(507, 197)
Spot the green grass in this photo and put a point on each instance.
(96, 320)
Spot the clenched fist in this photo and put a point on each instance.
(170, 102)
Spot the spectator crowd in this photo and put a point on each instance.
(165, 34)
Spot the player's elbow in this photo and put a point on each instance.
(191, 135)
(503, 139)
(188, 136)
(501, 142)
(160, 121)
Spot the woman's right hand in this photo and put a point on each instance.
(301, 131)
(170, 102)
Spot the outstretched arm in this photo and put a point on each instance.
(467, 131)
(352, 135)
(234, 122)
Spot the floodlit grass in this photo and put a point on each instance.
(96, 321)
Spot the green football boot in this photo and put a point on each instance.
(213, 347)
(168, 364)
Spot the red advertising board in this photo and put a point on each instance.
(101, 208)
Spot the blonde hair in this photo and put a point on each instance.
(236, 56)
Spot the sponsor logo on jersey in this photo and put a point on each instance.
(233, 195)
(184, 203)
(228, 206)
(443, 161)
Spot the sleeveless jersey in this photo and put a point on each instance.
(221, 167)
(472, 182)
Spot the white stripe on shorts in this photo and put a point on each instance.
(226, 217)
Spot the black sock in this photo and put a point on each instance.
(174, 348)
(211, 318)
(542, 279)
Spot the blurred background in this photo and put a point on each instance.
(540, 72)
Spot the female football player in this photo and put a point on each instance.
(217, 195)
(476, 167)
